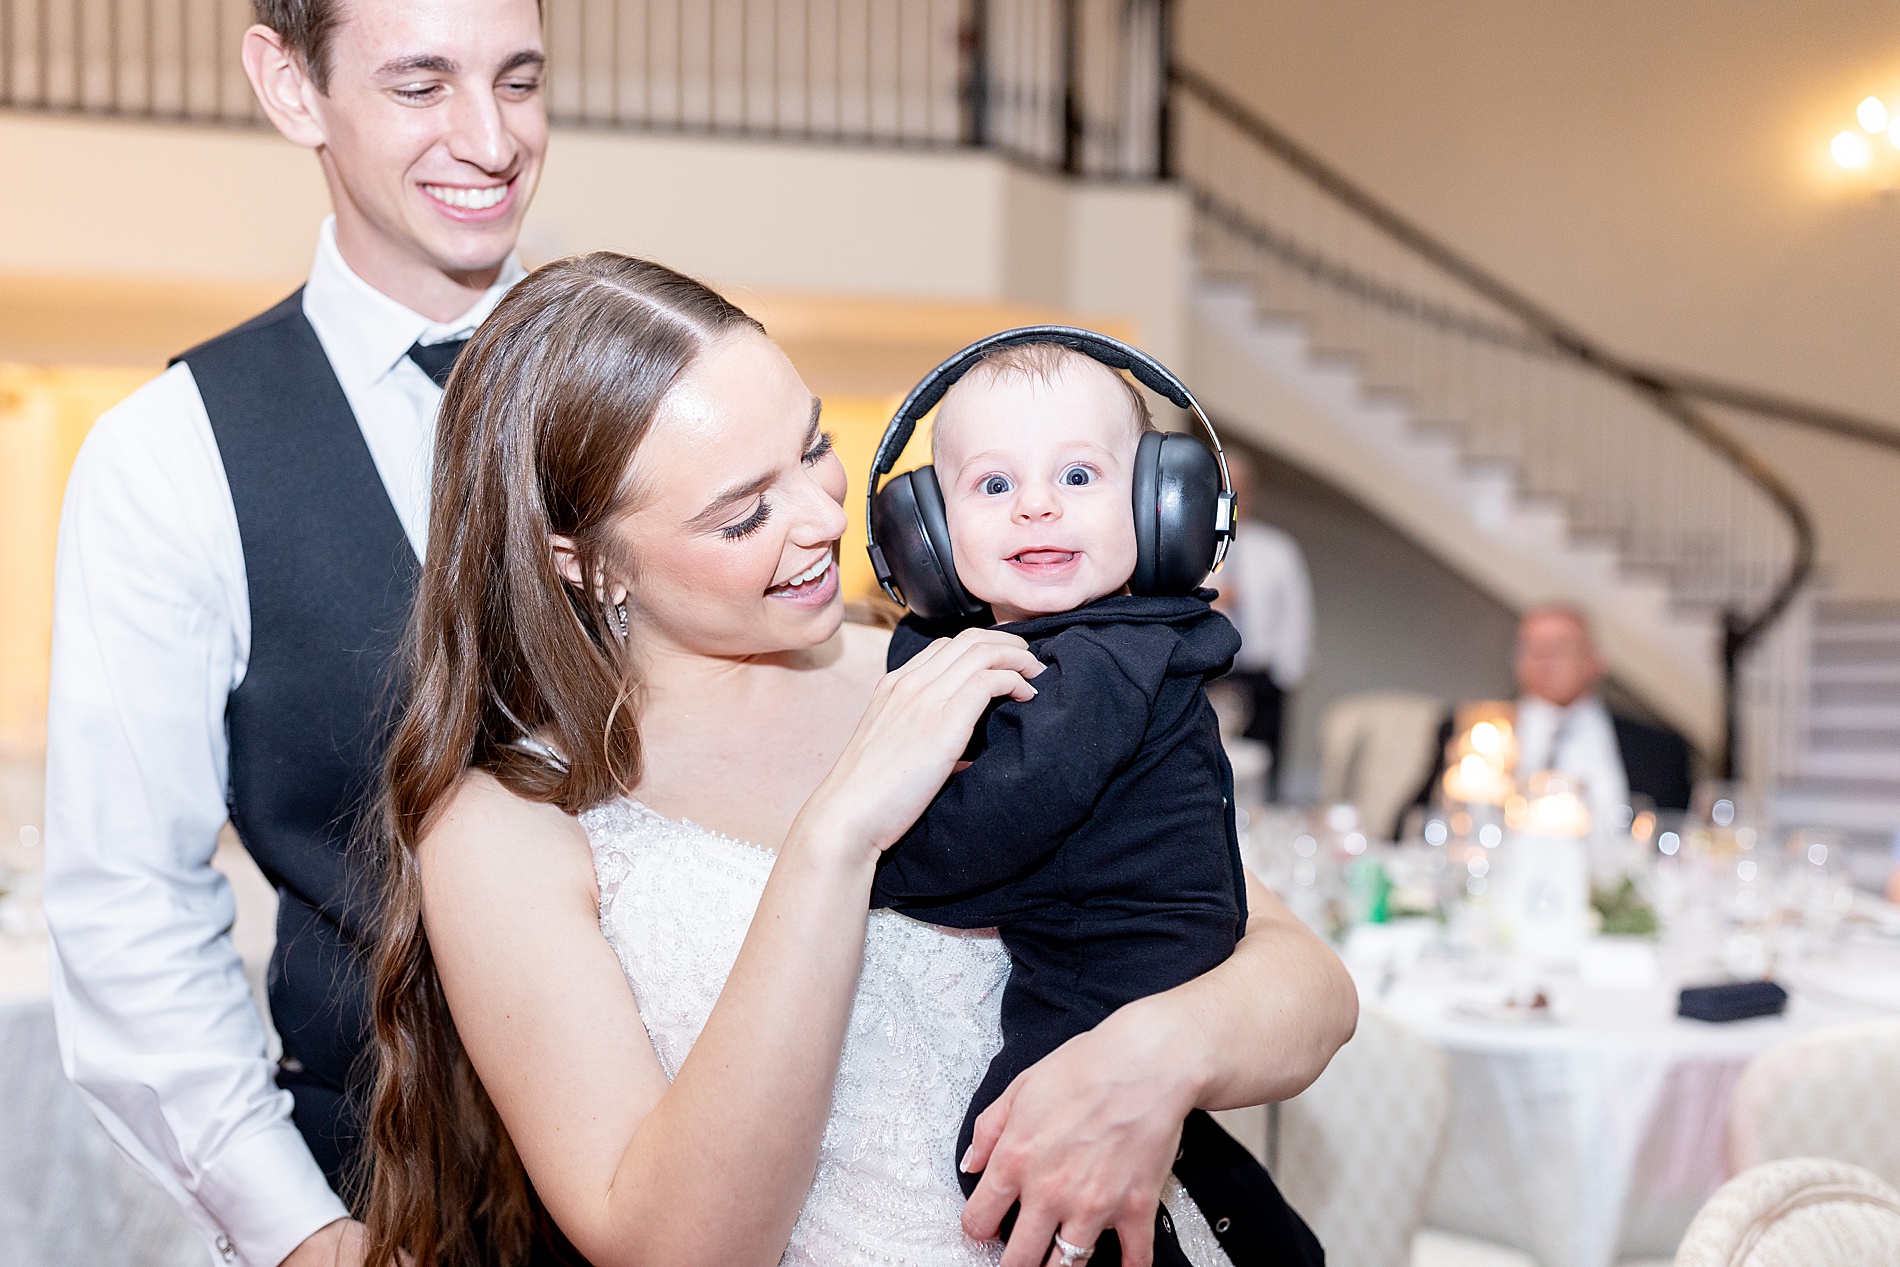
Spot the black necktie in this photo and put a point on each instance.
(1558, 736)
(437, 359)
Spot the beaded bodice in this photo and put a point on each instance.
(675, 902)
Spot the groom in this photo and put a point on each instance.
(237, 554)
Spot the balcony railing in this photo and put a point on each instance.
(164, 59)
(1068, 85)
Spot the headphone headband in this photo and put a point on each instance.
(1111, 352)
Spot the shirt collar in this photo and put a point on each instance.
(366, 333)
(1584, 708)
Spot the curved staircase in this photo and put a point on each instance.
(1268, 384)
(1843, 767)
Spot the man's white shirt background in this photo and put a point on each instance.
(1273, 606)
(1579, 742)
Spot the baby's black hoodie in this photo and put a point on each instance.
(1093, 829)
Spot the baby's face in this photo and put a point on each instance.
(1036, 481)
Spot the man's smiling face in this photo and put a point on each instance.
(434, 130)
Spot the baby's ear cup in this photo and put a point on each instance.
(1177, 490)
(913, 536)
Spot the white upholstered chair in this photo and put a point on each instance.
(1799, 1212)
(1357, 1150)
(1375, 750)
(1834, 1093)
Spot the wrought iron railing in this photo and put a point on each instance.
(1063, 84)
(1068, 85)
(161, 59)
(1089, 88)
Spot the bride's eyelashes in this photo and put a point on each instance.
(820, 450)
(750, 524)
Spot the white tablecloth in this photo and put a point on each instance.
(68, 1197)
(1594, 1137)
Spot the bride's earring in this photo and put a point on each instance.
(620, 618)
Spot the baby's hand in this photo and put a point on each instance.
(918, 723)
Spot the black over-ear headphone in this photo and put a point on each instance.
(1184, 500)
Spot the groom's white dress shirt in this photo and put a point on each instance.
(151, 634)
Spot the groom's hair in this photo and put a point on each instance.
(306, 27)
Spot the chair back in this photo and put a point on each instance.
(1375, 750)
(1799, 1212)
(1834, 1093)
(1357, 1150)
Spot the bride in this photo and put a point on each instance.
(629, 1001)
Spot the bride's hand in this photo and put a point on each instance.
(1085, 1137)
(917, 725)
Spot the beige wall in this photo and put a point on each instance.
(155, 203)
(146, 202)
(44, 414)
(1656, 172)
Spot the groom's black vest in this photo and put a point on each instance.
(331, 578)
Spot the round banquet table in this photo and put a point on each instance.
(1592, 1136)
(68, 1197)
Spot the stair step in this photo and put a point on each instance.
(1840, 611)
(1857, 631)
(1852, 739)
(1874, 717)
(1860, 765)
(1796, 804)
(1855, 694)
(1846, 651)
(1869, 674)
(1818, 784)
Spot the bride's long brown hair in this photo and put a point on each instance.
(537, 430)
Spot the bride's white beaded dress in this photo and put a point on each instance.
(675, 902)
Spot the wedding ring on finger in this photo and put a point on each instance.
(1072, 1254)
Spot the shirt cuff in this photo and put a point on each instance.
(268, 1195)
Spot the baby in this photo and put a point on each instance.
(1091, 826)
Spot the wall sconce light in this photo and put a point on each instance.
(1851, 148)
(1851, 151)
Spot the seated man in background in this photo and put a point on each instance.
(1563, 725)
